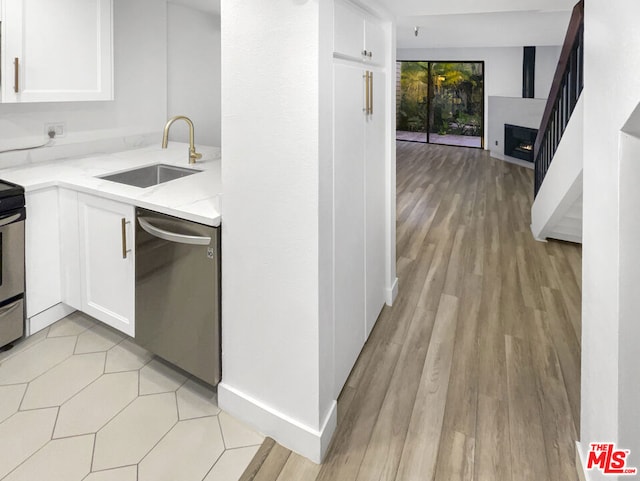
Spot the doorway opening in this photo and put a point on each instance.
(440, 103)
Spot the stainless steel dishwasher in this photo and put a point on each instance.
(178, 292)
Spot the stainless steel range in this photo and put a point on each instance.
(12, 219)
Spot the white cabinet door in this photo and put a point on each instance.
(349, 219)
(55, 51)
(357, 35)
(374, 41)
(42, 251)
(348, 31)
(70, 248)
(375, 202)
(107, 261)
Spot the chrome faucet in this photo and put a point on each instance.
(193, 155)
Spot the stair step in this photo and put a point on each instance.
(569, 224)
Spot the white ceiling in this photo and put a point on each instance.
(503, 29)
(465, 23)
(412, 8)
(210, 6)
(479, 23)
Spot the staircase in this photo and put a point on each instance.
(557, 209)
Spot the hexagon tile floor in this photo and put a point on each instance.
(78, 402)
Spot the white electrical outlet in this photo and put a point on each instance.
(54, 130)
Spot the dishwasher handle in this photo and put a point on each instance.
(172, 236)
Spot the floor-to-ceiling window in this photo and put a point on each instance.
(441, 103)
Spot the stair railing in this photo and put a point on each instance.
(566, 88)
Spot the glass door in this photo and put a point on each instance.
(412, 95)
(441, 103)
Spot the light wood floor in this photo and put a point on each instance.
(474, 373)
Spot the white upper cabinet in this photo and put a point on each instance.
(56, 51)
(357, 35)
(349, 31)
(374, 41)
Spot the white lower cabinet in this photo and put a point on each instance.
(70, 248)
(79, 254)
(42, 251)
(107, 267)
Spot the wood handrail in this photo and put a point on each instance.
(575, 25)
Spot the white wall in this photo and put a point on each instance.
(514, 111)
(629, 367)
(612, 46)
(140, 32)
(273, 292)
(193, 73)
(326, 398)
(503, 69)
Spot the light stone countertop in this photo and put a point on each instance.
(195, 197)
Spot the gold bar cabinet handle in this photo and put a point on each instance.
(16, 75)
(367, 96)
(124, 238)
(371, 93)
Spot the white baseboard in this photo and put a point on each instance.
(512, 160)
(582, 474)
(310, 443)
(537, 236)
(521, 163)
(391, 293)
(46, 318)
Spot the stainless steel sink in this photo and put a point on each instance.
(151, 175)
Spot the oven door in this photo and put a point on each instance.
(11, 254)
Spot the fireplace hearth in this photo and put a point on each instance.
(519, 142)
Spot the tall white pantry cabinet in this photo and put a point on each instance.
(360, 146)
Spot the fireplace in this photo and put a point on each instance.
(519, 141)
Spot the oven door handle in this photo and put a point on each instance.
(10, 219)
(172, 236)
(7, 309)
